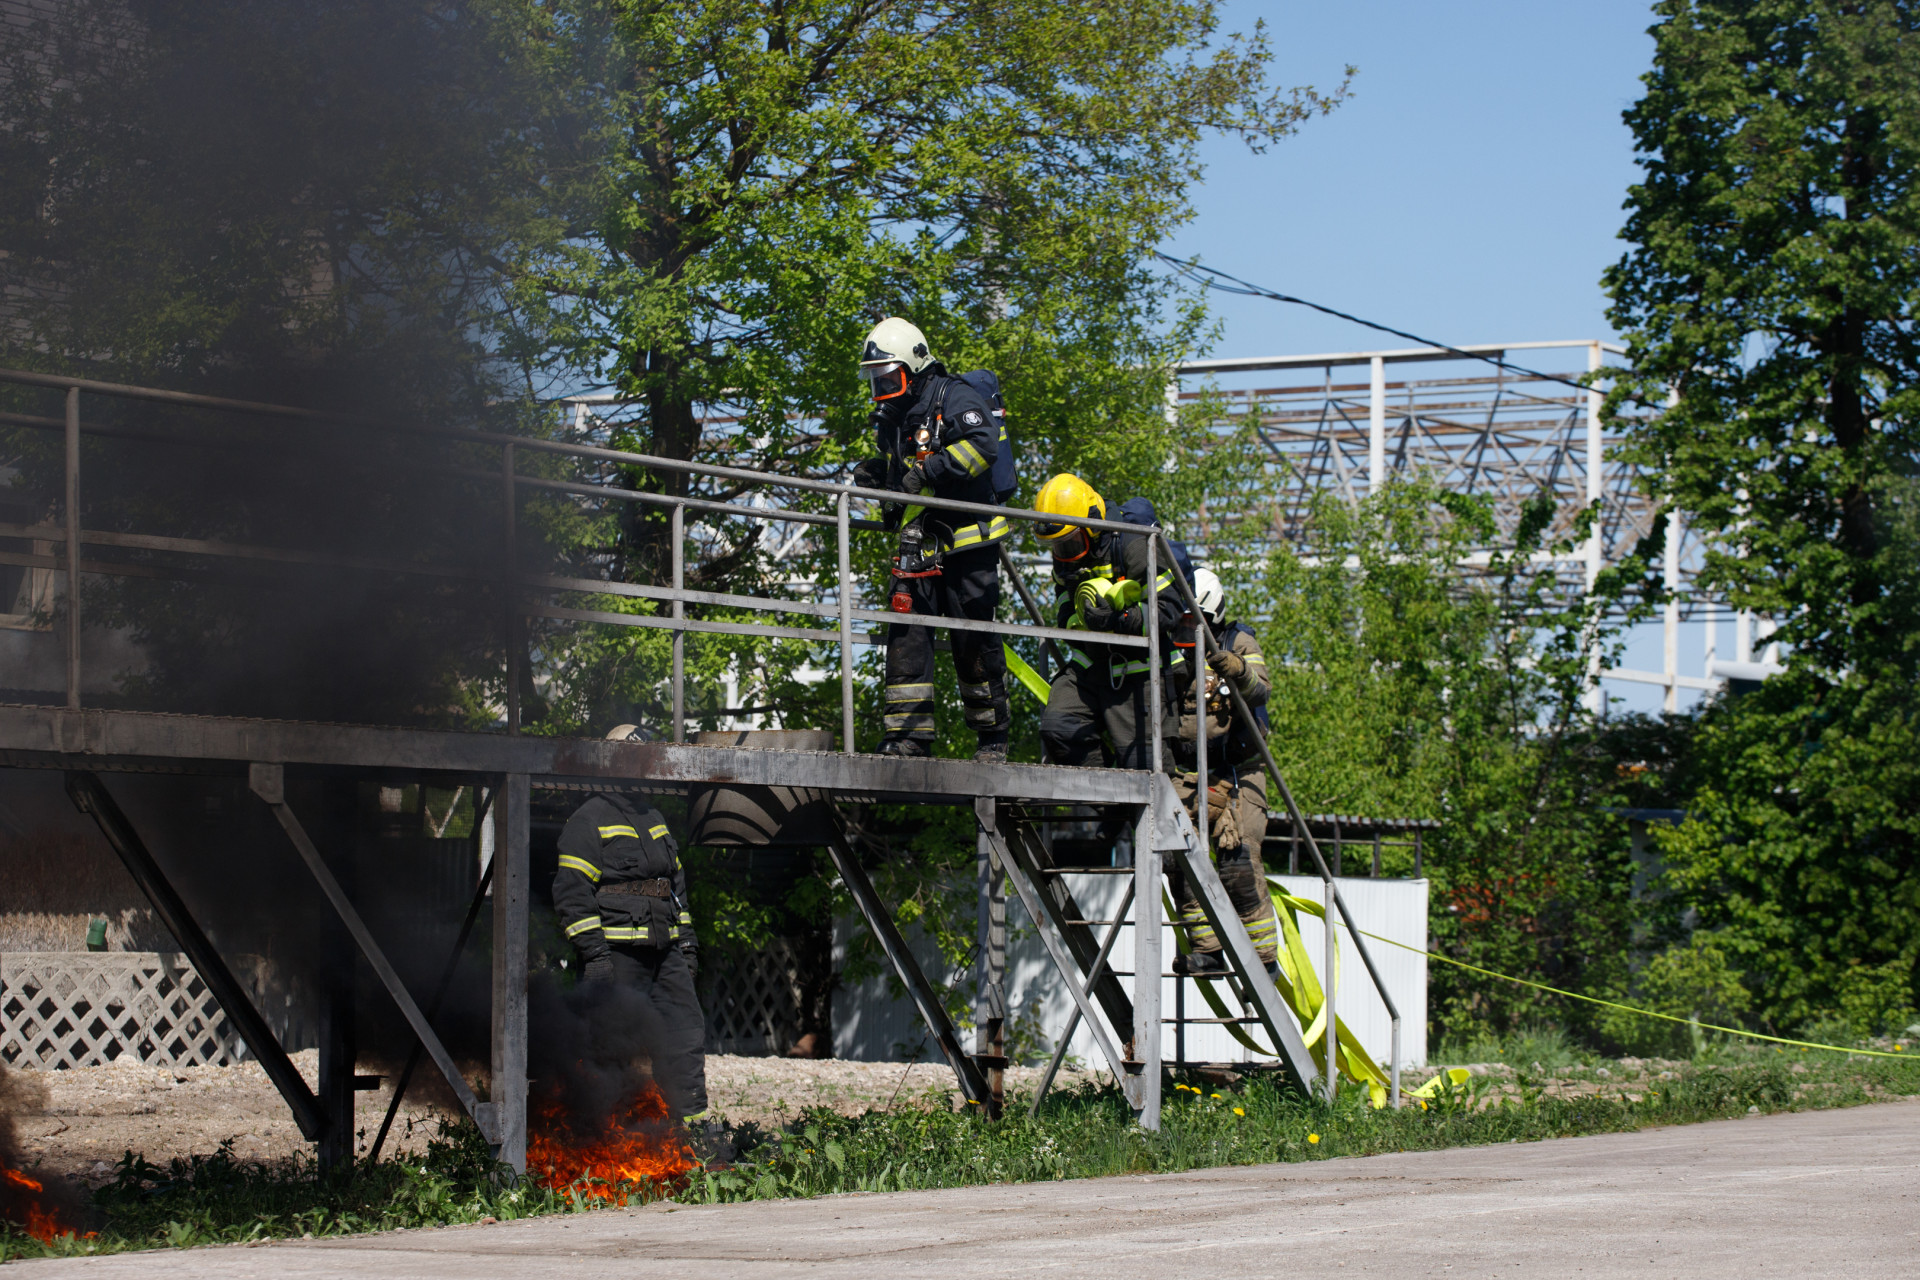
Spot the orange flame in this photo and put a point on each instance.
(637, 1154)
(42, 1223)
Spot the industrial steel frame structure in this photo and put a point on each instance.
(1009, 800)
(1344, 423)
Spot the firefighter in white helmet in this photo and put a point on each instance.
(939, 435)
(1237, 785)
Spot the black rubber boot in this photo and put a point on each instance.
(992, 748)
(1201, 964)
(908, 748)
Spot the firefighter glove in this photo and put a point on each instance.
(598, 970)
(870, 473)
(915, 480)
(1227, 663)
(692, 954)
(1093, 601)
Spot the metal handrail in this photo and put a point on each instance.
(1205, 643)
(677, 596)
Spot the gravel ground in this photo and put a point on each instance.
(87, 1117)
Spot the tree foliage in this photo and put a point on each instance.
(1403, 689)
(1771, 289)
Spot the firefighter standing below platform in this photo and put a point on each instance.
(621, 894)
(1100, 588)
(937, 435)
(1237, 791)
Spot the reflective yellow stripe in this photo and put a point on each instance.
(618, 829)
(968, 457)
(686, 917)
(581, 926)
(996, 529)
(1252, 658)
(626, 933)
(659, 832)
(581, 865)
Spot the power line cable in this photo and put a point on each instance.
(1213, 277)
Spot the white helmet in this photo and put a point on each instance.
(1210, 596)
(627, 733)
(896, 353)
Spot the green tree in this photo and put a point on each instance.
(1403, 688)
(776, 177)
(1770, 292)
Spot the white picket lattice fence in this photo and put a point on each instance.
(81, 1009)
(752, 1000)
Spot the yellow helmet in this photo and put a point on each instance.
(1066, 495)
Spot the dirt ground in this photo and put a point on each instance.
(86, 1118)
(89, 1116)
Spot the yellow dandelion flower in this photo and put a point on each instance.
(1423, 1103)
(1239, 1111)
(1313, 1138)
(1215, 1095)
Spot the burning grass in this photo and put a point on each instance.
(1084, 1132)
(637, 1155)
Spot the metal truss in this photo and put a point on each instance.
(1348, 423)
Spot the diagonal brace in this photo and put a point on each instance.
(91, 797)
(1022, 882)
(972, 1083)
(268, 781)
(1063, 909)
(1073, 1023)
(1239, 947)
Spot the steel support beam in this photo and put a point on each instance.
(512, 901)
(990, 1001)
(1147, 965)
(94, 739)
(90, 796)
(268, 781)
(939, 1025)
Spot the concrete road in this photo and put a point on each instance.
(1831, 1193)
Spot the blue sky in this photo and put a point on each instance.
(1469, 190)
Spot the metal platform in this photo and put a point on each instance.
(88, 743)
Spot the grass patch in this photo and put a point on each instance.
(1079, 1134)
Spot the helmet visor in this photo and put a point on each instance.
(887, 378)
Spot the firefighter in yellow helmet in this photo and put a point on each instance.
(1100, 589)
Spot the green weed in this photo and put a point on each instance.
(1079, 1133)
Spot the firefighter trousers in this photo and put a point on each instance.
(968, 587)
(1237, 816)
(1084, 704)
(663, 981)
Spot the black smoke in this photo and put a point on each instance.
(325, 204)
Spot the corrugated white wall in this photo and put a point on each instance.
(870, 1025)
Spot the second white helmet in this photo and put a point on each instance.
(895, 353)
(1210, 596)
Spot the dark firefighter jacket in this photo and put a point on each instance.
(1118, 563)
(964, 441)
(1228, 744)
(620, 878)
